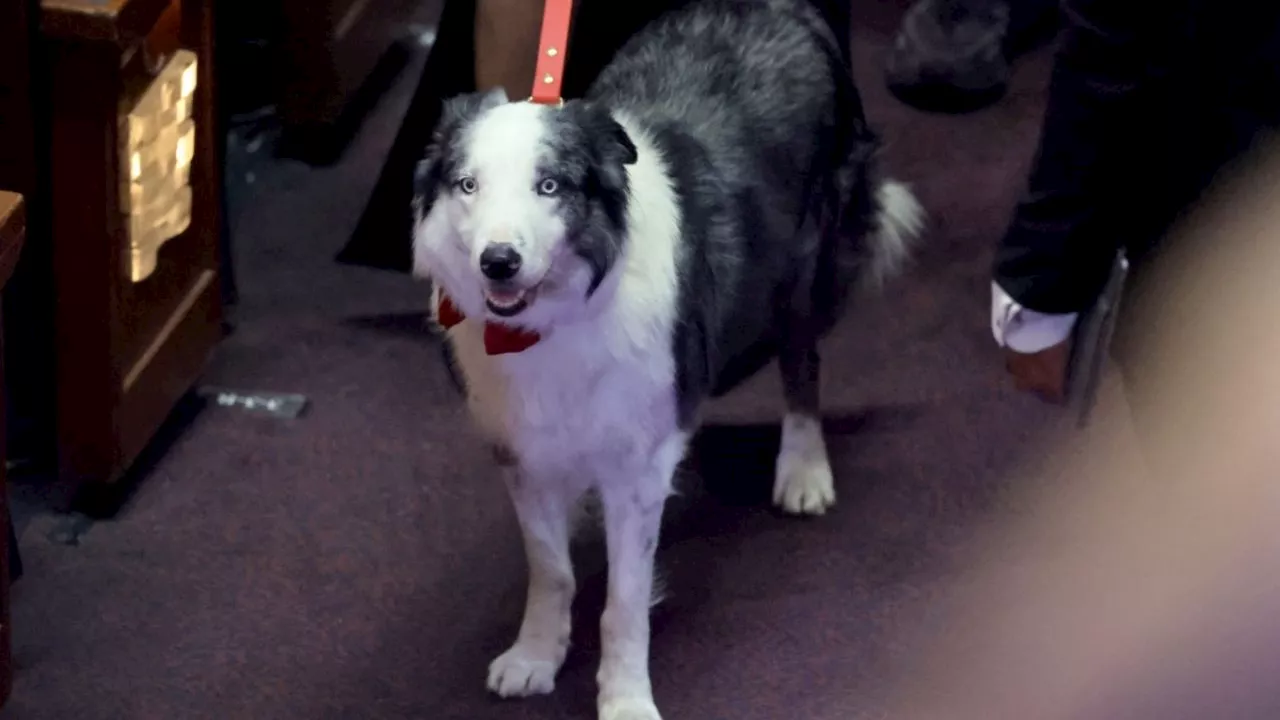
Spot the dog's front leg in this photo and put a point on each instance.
(543, 507)
(633, 502)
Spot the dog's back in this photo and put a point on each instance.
(755, 81)
(766, 143)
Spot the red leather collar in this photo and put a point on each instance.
(498, 339)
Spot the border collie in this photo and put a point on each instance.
(604, 267)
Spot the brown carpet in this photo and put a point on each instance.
(362, 562)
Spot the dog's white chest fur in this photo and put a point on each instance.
(569, 400)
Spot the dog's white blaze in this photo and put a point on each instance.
(502, 154)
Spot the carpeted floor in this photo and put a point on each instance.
(362, 562)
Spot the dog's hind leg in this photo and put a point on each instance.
(544, 510)
(803, 482)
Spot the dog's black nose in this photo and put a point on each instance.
(500, 261)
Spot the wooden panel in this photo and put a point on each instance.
(126, 352)
(12, 234)
(145, 307)
(166, 352)
(173, 364)
(176, 343)
(13, 230)
(87, 231)
(122, 22)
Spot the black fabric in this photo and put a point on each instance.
(1031, 24)
(1147, 104)
(382, 237)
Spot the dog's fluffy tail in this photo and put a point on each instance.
(897, 224)
(896, 218)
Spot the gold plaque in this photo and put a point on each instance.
(157, 146)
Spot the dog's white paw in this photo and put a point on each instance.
(804, 488)
(629, 708)
(803, 483)
(523, 671)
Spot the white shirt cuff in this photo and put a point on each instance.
(1023, 330)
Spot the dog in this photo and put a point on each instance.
(602, 268)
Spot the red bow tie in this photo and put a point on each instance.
(498, 339)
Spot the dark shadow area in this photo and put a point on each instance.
(324, 145)
(407, 324)
(735, 463)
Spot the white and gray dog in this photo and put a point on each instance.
(705, 209)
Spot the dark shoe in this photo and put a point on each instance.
(949, 55)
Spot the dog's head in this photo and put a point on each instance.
(521, 209)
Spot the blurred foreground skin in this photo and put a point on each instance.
(1145, 583)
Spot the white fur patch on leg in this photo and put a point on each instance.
(530, 666)
(629, 709)
(524, 670)
(803, 483)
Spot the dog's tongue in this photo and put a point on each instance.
(498, 339)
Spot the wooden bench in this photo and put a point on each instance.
(125, 333)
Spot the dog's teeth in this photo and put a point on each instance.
(504, 300)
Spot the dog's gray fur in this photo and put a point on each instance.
(767, 142)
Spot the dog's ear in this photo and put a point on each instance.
(609, 140)
(616, 143)
(598, 140)
(426, 185)
(626, 148)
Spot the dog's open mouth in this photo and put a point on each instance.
(508, 303)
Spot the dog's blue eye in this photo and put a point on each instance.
(548, 187)
(467, 185)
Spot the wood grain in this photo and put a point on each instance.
(122, 22)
